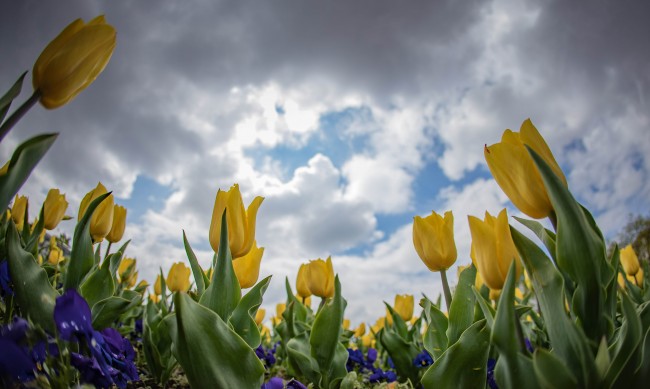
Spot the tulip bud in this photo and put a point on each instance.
(119, 224)
(102, 219)
(320, 278)
(18, 211)
(247, 267)
(404, 306)
(516, 173)
(493, 249)
(54, 209)
(126, 272)
(302, 288)
(367, 340)
(629, 260)
(241, 223)
(360, 331)
(345, 324)
(638, 277)
(178, 278)
(72, 61)
(433, 238)
(259, 316)
(157, 286)
(279, 309)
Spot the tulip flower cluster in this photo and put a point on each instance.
(579, 316)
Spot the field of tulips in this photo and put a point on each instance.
(559, 311)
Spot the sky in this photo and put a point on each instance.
(349, 118)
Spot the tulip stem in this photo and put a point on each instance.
(18, 114)
(445, 288)
(108, 249)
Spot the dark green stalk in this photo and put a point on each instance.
(445, 288)
(18, 114)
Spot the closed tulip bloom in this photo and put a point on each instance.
(514, 170)
(320, 278)
(241, 222)
(126, 272)
(302, 287)
(259, 316)
(433, 238)
(493, 249)
(119, 224)
(178, 278)
(55, 256)
(404, 306)
(368, 340)
(102, 219)
(18, 211)
(629, 260)
(638, 277)
(345, 324)
(54, 209)
(247, 268)
(73, 60)
(360, 331)
(157, 286)
(279, 309)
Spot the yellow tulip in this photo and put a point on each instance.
(320, 277)
(73, 60)
(18, 211)
(241, 223)
(54, 209)
(259, 316)
(178, 278)
(279, 309)
(514, 170)
(247, 267)
(154, 298)
(306, 301)
(388, 319)
(102, 219)
(302, 287)
(345, 324)
(157, 286)
(119, 224)
(360, 331)
(638, 277)
(404, 306)
(433, 238)
(126, 272)
(495, 294)
(55, 256)
(493, 249)
(478, 282)
(5, 168)
(368, 341)
(629, 260)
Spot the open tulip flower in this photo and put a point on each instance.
(514, 170)
(73, 60)
(493, 249)
(247, 267)
(320, 278)
(241, 222)
(54, 209)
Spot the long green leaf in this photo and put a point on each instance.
(32, 290)
(435, 338)
(461, 312)
(98, 286)
(106, 311)
(23, 161)
(82, 257)
(210, 352)
(243, 317)
(402, 353)
(8, 98)
(194, 264)
(552, 372)
(631, 334)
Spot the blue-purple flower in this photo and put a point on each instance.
(5, 280)
(274, 383)
(423, 359)
(491, 364)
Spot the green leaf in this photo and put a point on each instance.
(34, 237)
(211, 353)
(567, 339)
(82, 257)
(551, 371)
(300, 359)
(580, 253)
(32, 290)
(243, 317)
(106, 311)
(464, 364)
(545, 235)
(194, 264)
(324, 338)
(402, 353)
(350, 381)
(398, 322)
(99, 285)
(8, 98)
(435, 338)
(488, 311)
(115, 259)
(461, 312)
(23, 161)
(503, 337)
(631, 334)
(224, 293)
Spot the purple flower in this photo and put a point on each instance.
(274, 383)
(423, 359)
(491, 364)
(371, 355)
(295, 384)
(91, 371)
(529, 346)
(5, 280)
(15, 362)
(268, 357)
(379, 375)
(72, 317)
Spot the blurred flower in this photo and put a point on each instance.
(274, 383)
(320, 277)
(259, 316)
(119, 224)
(639, 278)
(154, 298)
(629, 260)
(423, 359)
(266, 356)
(102, 219)
(433, 238)
(302, 287)
(368, 340)
(493, 249)
(491, 381)
(404, 306)
(247, 267)
(5, 280)
(157, 287)
(360, 330)
(54, 209)
(18, 211)
(241, 223)
(126, 272)
(295, 384)
(56, 254)
(73, 60)
(279, 309)
(16, 363)
(345, 324)
(178, 278)
(514, 170)
(5, 168)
